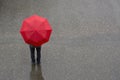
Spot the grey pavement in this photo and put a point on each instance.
(85, 42)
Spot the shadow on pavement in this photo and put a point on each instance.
(36, 73)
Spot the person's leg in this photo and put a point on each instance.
(38, 54)
(32, 51)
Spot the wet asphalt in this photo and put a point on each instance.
(85, 42)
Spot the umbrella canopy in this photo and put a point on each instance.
(35, 30)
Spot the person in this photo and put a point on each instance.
(32, 51)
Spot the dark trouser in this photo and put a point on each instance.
(32, 50)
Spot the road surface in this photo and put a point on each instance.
(85, 42)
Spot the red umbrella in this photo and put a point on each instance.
(36, 30)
